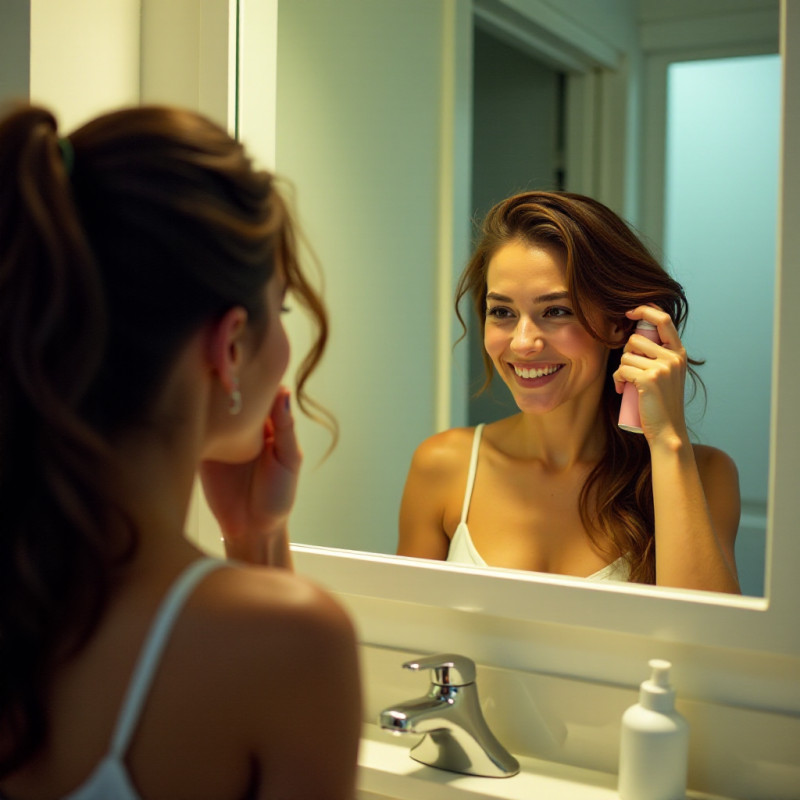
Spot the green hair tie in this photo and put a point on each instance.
(67, 153)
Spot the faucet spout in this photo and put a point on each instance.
(421, 715)
(455, 734)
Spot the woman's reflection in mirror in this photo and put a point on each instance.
(144, 264)
(558, 282)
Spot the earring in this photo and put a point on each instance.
(235, 399)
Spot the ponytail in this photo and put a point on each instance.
(57, 542)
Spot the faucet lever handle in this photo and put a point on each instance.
(448, 669)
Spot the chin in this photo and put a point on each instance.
(239, 452)
(535, 406)
(248, 452)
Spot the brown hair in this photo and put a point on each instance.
(608, 272)
(115, 246)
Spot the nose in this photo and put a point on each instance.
(527, 337)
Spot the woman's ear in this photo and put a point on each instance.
(225, 346)
(618, 333)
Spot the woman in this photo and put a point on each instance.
(143, 269)
(559, 282)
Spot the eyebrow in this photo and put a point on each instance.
(542, 298)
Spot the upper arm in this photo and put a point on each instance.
(309, 716)
(720, 479)
(422, 509)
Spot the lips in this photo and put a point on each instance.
(535, 372)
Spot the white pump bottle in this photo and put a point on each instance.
(654, 745)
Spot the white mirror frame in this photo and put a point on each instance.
(700, 619)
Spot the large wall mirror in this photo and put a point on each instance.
(373, 125)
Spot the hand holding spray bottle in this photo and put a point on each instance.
(629, 409)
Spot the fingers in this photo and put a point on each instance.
(667, 332)
(641, 370)
(280, 433)
(643, 346)
(642, 359)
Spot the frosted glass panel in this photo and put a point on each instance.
(720, 227)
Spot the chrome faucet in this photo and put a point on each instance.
(457, 737)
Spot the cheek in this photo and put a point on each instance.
(493, 340)
(575, 340)
(274, 356)
(285, 349)
(595, 353)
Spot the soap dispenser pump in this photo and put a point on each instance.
(654, 745)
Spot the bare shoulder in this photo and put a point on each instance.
(271, 654)
(720, 479)
(433, 494)
(713, 463)
(275, 631)
(440, 454)
(261, 621)
(273, 602)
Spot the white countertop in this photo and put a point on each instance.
(387, 771)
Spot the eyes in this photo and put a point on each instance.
(502, 313)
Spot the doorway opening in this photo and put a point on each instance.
(518, 144)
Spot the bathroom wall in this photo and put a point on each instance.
(357, 127)
(15, 41)
(188, 56)
(84, 56)
(722, 178)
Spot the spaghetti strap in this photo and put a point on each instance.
(150, 654)
(473, 467)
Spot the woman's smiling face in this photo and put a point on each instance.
(532, 334)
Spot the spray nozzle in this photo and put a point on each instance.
(644, 325)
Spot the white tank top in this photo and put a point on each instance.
(110, 779)
(463, 551)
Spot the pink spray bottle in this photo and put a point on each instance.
(629, 410)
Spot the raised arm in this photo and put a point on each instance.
(695, 488)
(697, 507)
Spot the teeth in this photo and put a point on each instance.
(535, 373)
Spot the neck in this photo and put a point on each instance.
(159, 460)
(562, 438)
(157, 480)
